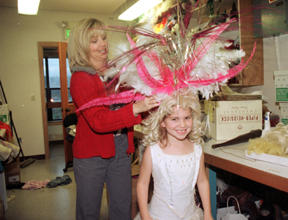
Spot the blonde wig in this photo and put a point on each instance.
(79, 41)
(274, 141)
(155, 133)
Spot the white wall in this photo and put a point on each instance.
(19, 68)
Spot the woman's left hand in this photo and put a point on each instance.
(145, 105)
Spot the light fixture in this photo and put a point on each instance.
(138, 9)
(28, 7)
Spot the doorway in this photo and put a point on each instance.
(55, 93)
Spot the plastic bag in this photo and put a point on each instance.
(229, 212)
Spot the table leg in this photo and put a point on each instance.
(212, 181)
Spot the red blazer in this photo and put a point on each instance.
(94, 131)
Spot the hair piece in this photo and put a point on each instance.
(274, 142)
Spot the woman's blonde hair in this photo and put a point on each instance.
(155, 133)
(79, 40)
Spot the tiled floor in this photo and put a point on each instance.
(47, 203)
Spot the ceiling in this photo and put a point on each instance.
(107, 7)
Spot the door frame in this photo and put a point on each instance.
(41, 46)
(67, 108)
(65, 105)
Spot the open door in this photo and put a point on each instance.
(55, 96)
(66, 101)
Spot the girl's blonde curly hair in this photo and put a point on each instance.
(155, 133)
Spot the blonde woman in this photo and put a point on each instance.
(104, 134)
(175, 159)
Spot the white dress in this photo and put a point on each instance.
(174, 179)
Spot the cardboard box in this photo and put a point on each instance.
(12, 172)
(231, 118)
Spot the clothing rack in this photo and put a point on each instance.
(24, 161)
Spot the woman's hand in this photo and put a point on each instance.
(145, 105)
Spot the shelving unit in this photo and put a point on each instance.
(232, 159)
(253, 74)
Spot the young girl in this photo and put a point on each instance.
(174, 158)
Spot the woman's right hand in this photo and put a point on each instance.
(145, 105)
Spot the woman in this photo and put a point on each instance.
(104, 136)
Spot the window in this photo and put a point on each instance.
(52, 83)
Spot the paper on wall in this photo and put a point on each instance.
(281, 85)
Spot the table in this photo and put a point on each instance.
(232, 159)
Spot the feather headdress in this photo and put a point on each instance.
(163, 63)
